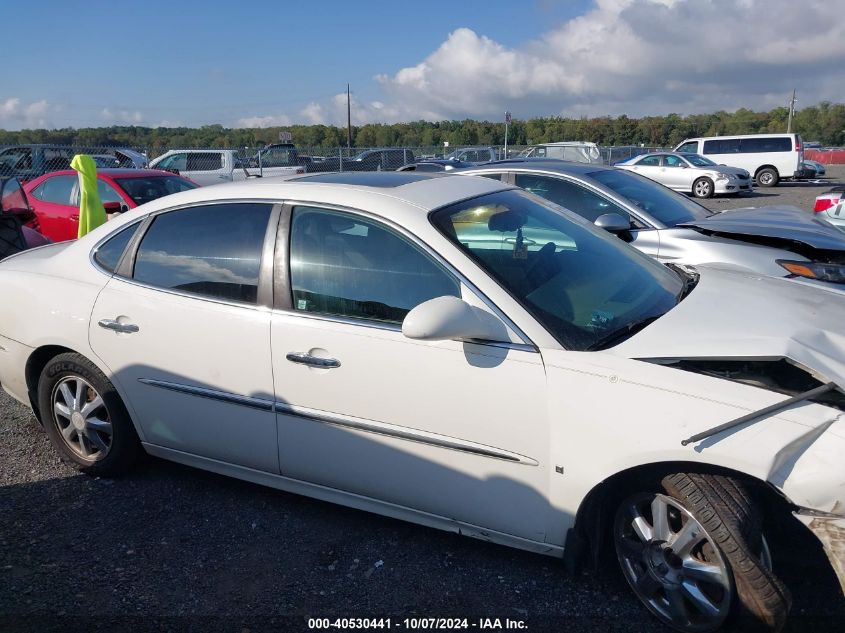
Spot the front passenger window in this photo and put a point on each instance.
(343, 265)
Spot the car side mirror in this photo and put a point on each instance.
(450, 318)
(115, 207)
(683, 165)
(612, 222)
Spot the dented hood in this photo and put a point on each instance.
(735, 315)
(780, 222)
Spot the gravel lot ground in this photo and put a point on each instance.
(172, 548)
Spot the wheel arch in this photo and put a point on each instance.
(762, 167)
(585, 540)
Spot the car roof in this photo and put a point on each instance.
(114, 173)
(385, 193)
(548, 164)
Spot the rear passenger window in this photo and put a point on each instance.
(345, 266)
(766, 144)
(722, 146)
(650, 161)
(110, 251)
(213, 251)
(57, 189)
(204, 161)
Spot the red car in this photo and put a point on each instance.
(55, 196)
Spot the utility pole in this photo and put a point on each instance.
(791, 112)
(348, 119)
(507, 122)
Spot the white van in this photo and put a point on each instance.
(770, 157)
(575, 151)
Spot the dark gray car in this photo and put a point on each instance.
(779, 241)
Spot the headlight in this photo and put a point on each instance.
(720, 176)
(834, 273)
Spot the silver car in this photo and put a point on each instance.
(690, 173)
(779, 241)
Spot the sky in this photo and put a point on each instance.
(267, 63)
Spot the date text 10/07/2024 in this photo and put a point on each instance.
(483, 624)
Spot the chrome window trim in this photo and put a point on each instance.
(428, 250)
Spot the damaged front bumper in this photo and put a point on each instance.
(830, 530)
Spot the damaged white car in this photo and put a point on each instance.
(455, 352)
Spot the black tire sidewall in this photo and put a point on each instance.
(125, 444)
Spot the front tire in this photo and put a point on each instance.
(767, 177)
(694, 551)
(703, 188)
(85, 418)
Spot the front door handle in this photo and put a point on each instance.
(304, 358)
(111, 324)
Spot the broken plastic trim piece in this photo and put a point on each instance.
(778, 406)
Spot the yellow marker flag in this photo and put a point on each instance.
(91, 211)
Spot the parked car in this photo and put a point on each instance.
(55, 196)
(474, 155)
(368, 160)
(780, 241)
(770, 157)
(14, 213)
(436, 165)
(576, 151)
(831, 206)
(690, 173)
(211, 167)
(393, 342)
(279, 155)
(816, 168)
(26, 162)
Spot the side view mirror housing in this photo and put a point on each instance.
(612, 222)
(450, 318)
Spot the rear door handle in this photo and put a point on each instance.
(313, 361)
(111, 324)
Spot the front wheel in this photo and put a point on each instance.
(767, 177)
(703, 188)
(695, 550)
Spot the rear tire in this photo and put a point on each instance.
(767, 177)
(703, 188)
(696, 552)
(85, 418)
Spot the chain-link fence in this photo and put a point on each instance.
(209, 165)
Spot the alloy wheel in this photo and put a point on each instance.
(82, 418)
(672, 563)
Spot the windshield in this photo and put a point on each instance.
(143, 190)
(664, 205)
(581, 283)
(12, 197)
(698, 160)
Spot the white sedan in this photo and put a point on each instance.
(452, 351)
(690, 173)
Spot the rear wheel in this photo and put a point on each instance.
(695, 550)
(85, 418)
(703, 188)
(767, 177)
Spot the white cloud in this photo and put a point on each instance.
(635, 57)
(121, 117)
(264, 121)
(14, 114)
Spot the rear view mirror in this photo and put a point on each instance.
(449, 318)
(612, 222)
